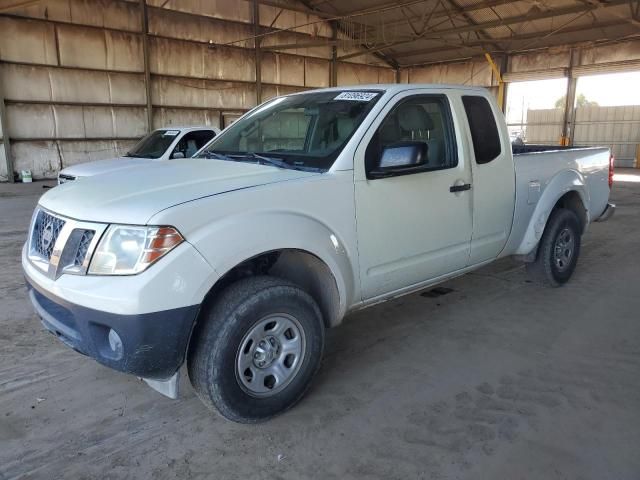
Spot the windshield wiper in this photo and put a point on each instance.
(274, 162)
(257, 158)
(219, 156)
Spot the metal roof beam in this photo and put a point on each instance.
(529, 17)
(442, 13)
(438, 34)
(514, 38)
(478, 54)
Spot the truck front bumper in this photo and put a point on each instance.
(137, 324)
(149, 345)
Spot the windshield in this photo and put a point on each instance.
(301, 131)
(154, 145)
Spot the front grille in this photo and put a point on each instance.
(45, 233)
(74, 241)
(83, 247)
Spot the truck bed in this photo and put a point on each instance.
(536, 148)
(540, 167)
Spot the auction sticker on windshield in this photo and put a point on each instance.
(356, 96)
(171, 133)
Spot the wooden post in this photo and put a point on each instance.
(258, 54)
(504, 68)
(145, 52)
(333, 68)
(569, 105)
(5, 135)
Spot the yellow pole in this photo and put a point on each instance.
(498, 75)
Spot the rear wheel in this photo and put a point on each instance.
(257, 350)
(558, 250)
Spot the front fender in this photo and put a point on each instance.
(231, 240)
(562, 183)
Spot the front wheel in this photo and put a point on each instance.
(558, 250)
(257, 350)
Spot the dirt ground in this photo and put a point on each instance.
(498, 379)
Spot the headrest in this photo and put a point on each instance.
(345, 126)
(414, 117)
(389, 132)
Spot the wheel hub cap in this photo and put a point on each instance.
(270, 355)
(266, 352)
(563, 249)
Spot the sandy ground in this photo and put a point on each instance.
(499, 379)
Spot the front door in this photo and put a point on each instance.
(412, 227)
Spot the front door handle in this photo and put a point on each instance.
(460, 188)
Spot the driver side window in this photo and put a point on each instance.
(192, 142)
(423, 119)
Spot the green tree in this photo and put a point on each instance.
(581, 101)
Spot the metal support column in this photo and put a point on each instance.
(145, 52)
(5, 135)
(569, 105)
(258, 54)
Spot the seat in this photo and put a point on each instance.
(192, 147)
(416, 125)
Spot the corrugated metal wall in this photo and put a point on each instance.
(476, 72)
(73, 72)
(543, 126)
(614, 127)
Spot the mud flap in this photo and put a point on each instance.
(168, 388)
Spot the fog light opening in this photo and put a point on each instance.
(115, 343)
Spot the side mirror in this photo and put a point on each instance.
(400, 158)
(177, 155)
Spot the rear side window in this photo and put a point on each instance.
(484, 131)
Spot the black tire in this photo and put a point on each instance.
(548, 269)
(215, 348)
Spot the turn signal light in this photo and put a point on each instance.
(159, 243)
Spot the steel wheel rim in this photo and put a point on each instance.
(563, 249)
(270, 355)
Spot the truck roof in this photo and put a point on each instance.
(184, 128)
(399, 87)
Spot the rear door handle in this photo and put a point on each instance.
(460, 188)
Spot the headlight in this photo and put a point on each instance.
(127, 250)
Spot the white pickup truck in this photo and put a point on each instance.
(309, 207)
(160, 145)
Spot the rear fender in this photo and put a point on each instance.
(561, 184)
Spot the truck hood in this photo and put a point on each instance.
(99, 167)
(135, 195)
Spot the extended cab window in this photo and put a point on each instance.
(484, 131)
(424, 118)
